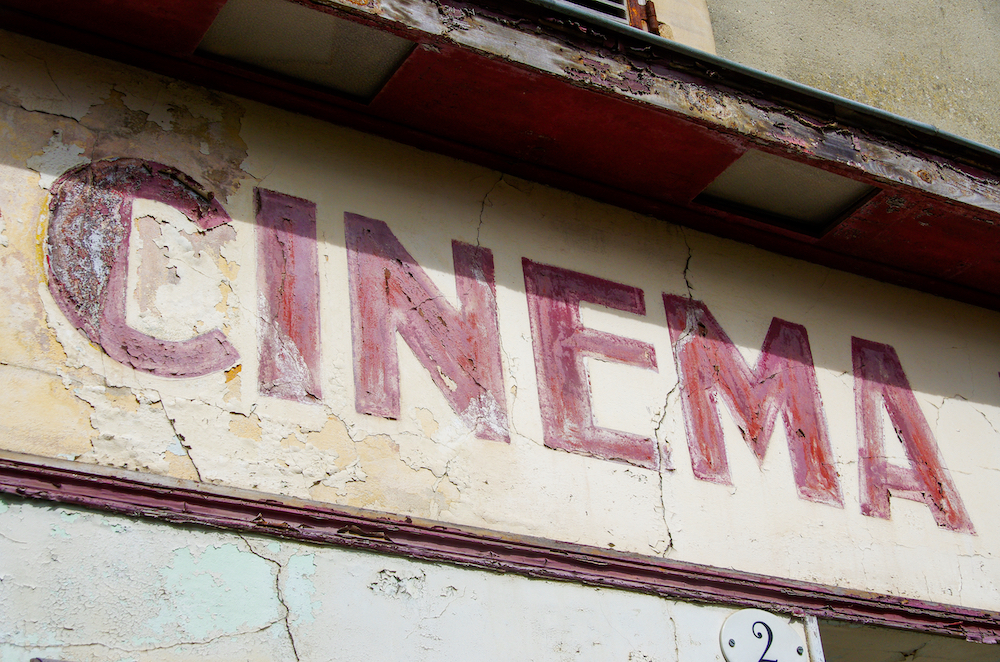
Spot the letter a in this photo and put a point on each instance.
(879, 380)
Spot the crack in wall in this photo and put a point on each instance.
(19, 542)
(663, 444)
(986, 418)
(59, 648)
(424, 619)
(29, 368)
(482, 207)
(677, 642)
(179, 436)
(663, 447)
(687, 265)
(279, 594)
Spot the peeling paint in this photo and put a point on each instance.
(56, 159)
(469, 367)
(289, 277)
(219, 596)
(88, 242)
(218, 591)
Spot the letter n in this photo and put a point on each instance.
(879, 381)
(784, 380)
(460, 349)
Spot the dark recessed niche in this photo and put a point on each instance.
(784, 193)
(302, 44)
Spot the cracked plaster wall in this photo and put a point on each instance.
(83, 586)
(929, 61)
(67, 399)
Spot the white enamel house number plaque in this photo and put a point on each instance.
(752, 635)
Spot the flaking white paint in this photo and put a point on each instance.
(218, 429)
(120, 589)
(56, 159)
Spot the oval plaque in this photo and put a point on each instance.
(752, 635)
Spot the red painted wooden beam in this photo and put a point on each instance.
(625, 152)
(166, 26)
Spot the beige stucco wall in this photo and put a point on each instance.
(929, 61)
(66, 398)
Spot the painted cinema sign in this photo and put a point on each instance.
(91, 216)
(211, 290)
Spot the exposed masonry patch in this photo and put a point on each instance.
(598, 73)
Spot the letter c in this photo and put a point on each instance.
(90, 220)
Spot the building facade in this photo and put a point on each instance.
(434, 330)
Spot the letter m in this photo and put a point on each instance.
(784, 380)
(460, 349)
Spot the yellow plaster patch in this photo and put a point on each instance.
(223, 305)
(228, 269)
(233, 372)
(427, 423)
(333, 437)
(234, 384)
(180, 466)
(38, 415)
(247, 427)
(389, 480)
(25, 340)
(122, 398)
(293, 441)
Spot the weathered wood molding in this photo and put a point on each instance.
(186, 502)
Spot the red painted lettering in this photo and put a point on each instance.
(90, 221)
(560, 344)
(288, 277)
(879, 382)
(784, 379)
(460, 349)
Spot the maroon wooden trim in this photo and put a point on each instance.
(165, 26)
(324, 106)
(187, 502)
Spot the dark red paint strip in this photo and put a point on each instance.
(168, 26)
(880, 383)
(783, 380)
(180, 501)
(288, 280)
(561, 342)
